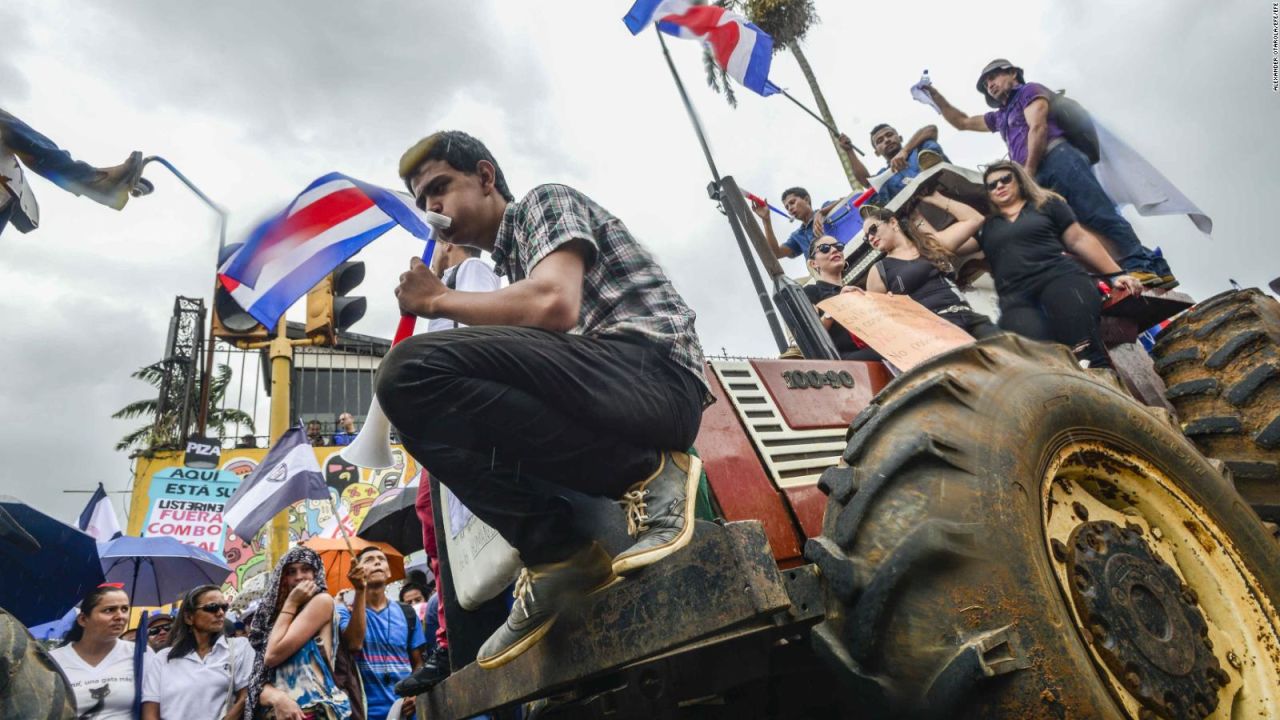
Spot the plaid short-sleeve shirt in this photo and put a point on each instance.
(625, 294)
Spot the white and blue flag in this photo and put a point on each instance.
(288, 473)
(99, 517)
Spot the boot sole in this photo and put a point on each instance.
(623, 565)
(520, 646)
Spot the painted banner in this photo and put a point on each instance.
(186, 504)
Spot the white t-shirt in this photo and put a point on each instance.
(110, 683)
(470, 275)
(196, 688)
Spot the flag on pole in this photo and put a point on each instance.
(99, 517)
(325, 225)
(741, 49)
(288, 473)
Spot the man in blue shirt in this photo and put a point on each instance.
(797, 202)
(902, 159)
(384, 637)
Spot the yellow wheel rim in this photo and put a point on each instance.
(1174, 620)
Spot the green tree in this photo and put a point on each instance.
(163, 432)
(787, 22)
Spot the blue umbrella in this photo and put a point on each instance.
(40, 583)
(57, 629)
(158, 570)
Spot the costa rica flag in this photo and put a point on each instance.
(741, 49)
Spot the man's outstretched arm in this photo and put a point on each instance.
(549, 298)
(958, 119)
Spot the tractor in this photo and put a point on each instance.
(997, 532)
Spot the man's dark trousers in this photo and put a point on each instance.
(1066, 171)
(487, 409)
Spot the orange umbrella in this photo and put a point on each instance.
(337, 560)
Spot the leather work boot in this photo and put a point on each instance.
(542, 591)
(660, 511)
(434, 669)
(1154, 280)
(111, 186)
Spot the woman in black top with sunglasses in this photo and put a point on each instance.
(1044, 294)
(919, 268)
(826, 257)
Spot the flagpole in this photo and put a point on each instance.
(770, 314)
(818, 117)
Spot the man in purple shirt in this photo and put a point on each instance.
(1021, 116)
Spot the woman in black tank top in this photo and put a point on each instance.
(920, 269)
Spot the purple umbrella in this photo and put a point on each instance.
(158, 570)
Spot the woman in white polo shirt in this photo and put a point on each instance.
(203, 674)
(98, 664)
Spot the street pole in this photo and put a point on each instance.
(222, 243)
(280, 352)
(770, 314)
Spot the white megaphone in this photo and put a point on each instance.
(372, 447)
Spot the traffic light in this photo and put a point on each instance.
(230, 321)
(329, 310)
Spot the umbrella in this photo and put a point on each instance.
(337, 560)
(41, 583)
(158, 570)
(393, 519)
(57, 629)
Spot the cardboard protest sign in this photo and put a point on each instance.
(902, 330)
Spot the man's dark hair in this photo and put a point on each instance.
(461, 151)
(404, 590)
(372, 548)
(798, 192)
(880, 127)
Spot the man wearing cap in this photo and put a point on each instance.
(1021, 116)
(903, 160)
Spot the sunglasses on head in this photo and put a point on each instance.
(994, 183)
(825, 248)
(212, 608)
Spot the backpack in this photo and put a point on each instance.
(1076, 124)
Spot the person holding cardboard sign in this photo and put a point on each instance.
(920, 268)
(1044, 293)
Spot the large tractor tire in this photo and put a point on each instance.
(1010, 536)
(1221, 364)
(32, 686)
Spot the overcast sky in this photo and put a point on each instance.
(253, 100)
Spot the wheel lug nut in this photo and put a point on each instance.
(1081, 511)
(1059, 550)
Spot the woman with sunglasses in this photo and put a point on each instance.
(919, 268)
(826, 258)
(1044, 293)
(203, 674)
(97, 663)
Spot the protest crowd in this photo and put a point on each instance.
(585, 357)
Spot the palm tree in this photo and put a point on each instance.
(787, 22)
(163, 432)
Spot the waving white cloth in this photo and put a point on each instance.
(1130, 180)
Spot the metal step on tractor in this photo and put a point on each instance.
(996, 533)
